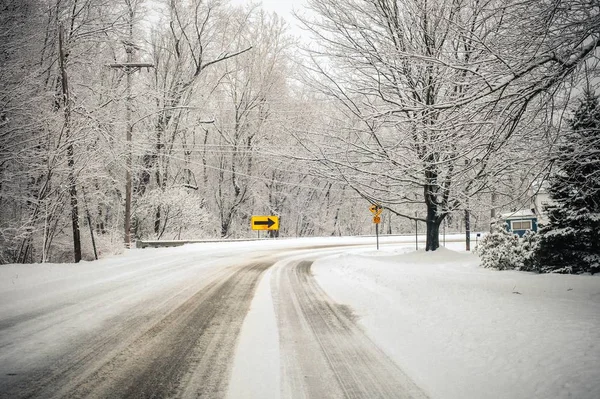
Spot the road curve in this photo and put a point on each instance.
(171, 330)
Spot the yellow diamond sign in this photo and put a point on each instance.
(376, 209)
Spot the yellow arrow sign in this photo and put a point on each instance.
(264, 222)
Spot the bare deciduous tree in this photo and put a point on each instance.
(432, 92)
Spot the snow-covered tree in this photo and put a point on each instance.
(504, 250)
(434, 96)
(528, 248)
(49, 124)
(570, 241)
(500, 249)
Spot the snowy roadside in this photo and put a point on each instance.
(460, 331)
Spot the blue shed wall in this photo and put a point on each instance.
(520, 233)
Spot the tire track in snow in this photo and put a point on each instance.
(325, 354)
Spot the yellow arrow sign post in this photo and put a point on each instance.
(264, 222)
(376, 210)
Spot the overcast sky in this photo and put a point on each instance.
(283, 8)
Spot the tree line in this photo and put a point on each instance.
(131, 119)
(174, 116)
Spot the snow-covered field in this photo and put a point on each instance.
(461, 331)
(457, 330)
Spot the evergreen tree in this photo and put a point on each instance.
(570, 241)
(528, 250)
(500, 249)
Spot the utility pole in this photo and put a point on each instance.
(128, 161)
(129, 67)
(416, 231)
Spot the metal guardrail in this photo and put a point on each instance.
(178, 243)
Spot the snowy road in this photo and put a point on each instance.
(305, 318)
(165, 323)
(153, 332)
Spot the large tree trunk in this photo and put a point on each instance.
(70, 154)
(433, 228)
(435, 211)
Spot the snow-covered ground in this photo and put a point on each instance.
(461, 331)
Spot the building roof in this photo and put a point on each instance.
(522, 213)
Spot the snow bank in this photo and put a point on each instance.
(256, 365)
(461, 331)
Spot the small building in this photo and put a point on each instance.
(520, 221)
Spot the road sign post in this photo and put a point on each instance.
(376, 211)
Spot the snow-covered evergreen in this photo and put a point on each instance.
(570, 241)
(504, 250)
(528, 249)
(500, 249)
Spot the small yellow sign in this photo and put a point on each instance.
(376, 219)
(376, 209)
(264, 222)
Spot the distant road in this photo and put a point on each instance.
(450, 237)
